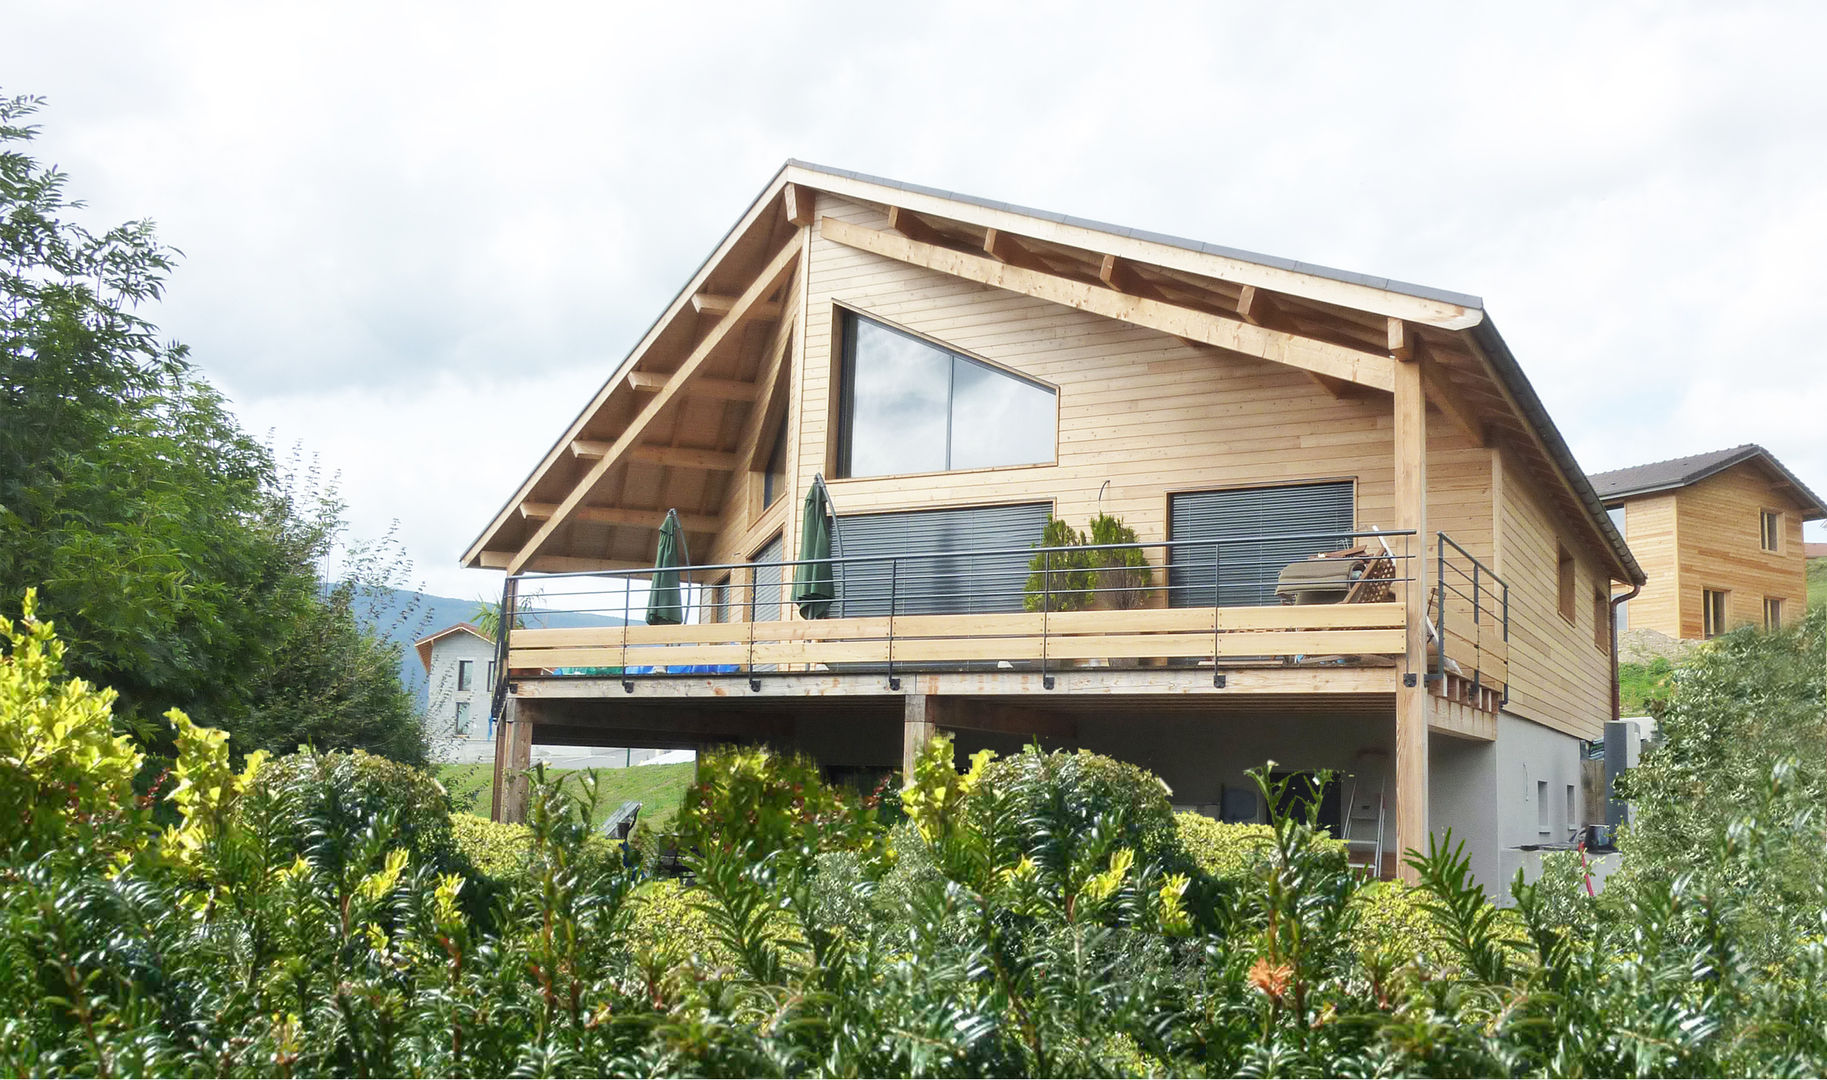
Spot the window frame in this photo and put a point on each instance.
(843, 444)
(1711, 627)
(1770, 531)
(1773, 613)
(460, 719)
(466, 675)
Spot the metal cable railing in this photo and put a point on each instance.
(1214, 574)
(1467, 592)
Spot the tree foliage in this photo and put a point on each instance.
(168, 547)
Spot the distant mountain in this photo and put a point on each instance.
(404, 616)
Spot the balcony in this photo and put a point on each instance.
(1314, 612)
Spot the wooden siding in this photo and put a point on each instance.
(1721, 548)
(1558, 676)
(1651, 530)
(1147, 412)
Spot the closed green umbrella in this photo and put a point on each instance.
(665, 607)
(813, 588)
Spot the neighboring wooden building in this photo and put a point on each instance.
(1720, 536)
(959, 370)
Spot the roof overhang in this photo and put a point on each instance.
(598, 495)
(425, 644)
(1813, 508)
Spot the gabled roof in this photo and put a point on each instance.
(1659, 476)
(716, 352)
(424, 644)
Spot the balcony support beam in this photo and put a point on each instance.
(1412, 690)
(917, 729)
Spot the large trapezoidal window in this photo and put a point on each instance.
(909, 406)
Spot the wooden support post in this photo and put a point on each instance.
(1411, 690)
(918, 729)
(513, 757)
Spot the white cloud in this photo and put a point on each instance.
(400, 220)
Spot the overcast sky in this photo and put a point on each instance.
(417, 238)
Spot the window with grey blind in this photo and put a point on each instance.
(767, 593)
(945, 560)
(1307, 519)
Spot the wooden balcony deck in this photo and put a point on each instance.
(923, 642)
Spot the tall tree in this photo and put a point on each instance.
(177, 565)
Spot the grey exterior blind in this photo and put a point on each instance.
(1321, 513)
(954, 576)
(767, 582)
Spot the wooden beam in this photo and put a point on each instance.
(801, 203)
(681, 457)
(912, 226)
(652, 382)
(1412, 709)
(558, 564)
(712, 304)
(1005, 248)
(770, 279)
(917, 729)
(1401, 344)
(1441, 393)
(1119, 275)
(1276, 346)
(615, 515)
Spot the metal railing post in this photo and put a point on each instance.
(894, 588)
(1046, 610)
(1217, 610)
(627, 613)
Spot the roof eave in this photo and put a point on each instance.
(1503, 362)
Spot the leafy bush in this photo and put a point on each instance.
(1012, 926)
(766, 803)
(62, 767)
(1036, 800)
(496, 848)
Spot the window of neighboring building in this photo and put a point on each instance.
(1601, 621)
(491, 677)
(1712, 612)
(1573, 809)
(463, 717)
(1568, 590)
(910, 406)
(1544, 817)
(466, 673)
(1770, 524)
(1773, 613)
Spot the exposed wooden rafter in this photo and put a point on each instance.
(616, 515)
(912, 226)
(772, 276)
(653, 382)
(1005, 248)
(714, 304)
(1119, 275)
(800, 202)
(1351, 365)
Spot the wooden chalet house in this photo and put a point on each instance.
(956, 371)
(1720, 536)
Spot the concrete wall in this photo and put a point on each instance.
(442, 698)
(1532, 760)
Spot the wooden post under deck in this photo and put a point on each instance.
(1412, 690)
(513, 757)
(918, 730)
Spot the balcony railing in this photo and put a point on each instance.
(1286, 599)
(1470, 636)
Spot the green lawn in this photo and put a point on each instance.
(660, 788)
(1817, 582)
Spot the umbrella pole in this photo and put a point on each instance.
(837, 545)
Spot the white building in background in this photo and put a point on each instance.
(460, 679)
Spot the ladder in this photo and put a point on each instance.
(1363, 830)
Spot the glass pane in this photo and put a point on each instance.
(897, 396)
(998, 419)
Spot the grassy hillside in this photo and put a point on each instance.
(660, 788)
(1817, 582)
